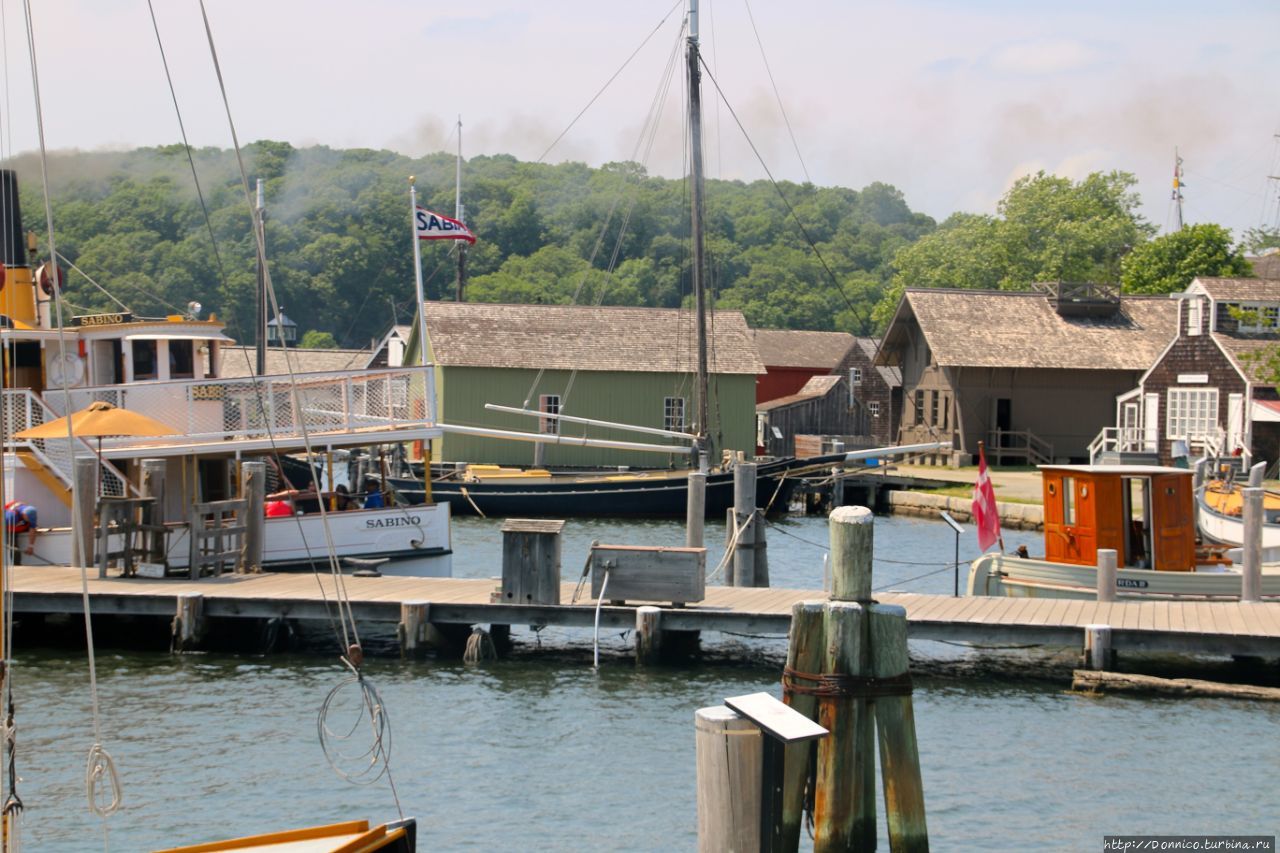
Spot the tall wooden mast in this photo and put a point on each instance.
(702, 426)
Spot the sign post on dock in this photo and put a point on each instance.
(955, 566)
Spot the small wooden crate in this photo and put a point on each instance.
(531, 561)
(644, 573)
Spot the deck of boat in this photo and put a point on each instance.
(1195, 627)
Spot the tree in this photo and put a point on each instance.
(1168, 263)
(1047, 229)
(316, 339)
(1255, 240)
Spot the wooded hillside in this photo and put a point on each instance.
(341, 259)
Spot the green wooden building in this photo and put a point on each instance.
(625, 365)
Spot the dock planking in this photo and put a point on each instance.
(1185, 626)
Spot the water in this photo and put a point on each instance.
(543, 753)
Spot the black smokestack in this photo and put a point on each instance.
(13, 245)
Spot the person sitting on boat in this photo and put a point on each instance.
(279, 509)
(303, 500)
(342, 498)
(21, 518)
(373, 497)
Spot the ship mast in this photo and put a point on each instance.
(701, 407)
(457, 214)
(260, 332)
(1177, 188)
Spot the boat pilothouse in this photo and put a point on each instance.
(1145, 513)
(170, 369)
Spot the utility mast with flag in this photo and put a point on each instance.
(986, 515)
(429, 226)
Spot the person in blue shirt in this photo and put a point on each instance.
(373, 498)
(20, 518)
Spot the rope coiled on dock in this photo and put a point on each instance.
(836, 685)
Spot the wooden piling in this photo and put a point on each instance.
(696, 510)
(1106, 579)
(412, 630)
(1097, 646)
(805, 647)
(851, 544)
(744, 511)
(648, 635)
(253, 480)
(896, 726)
(728, 758)
(844, 801)
(762, 554)
(188, 621)
(85, 475)
(1251, 571)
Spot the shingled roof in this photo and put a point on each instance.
(983, 328)
(892, 375)
(238, 362)
(576, 337)
(793, 348)
(1266, 265)
(1240, 289)
(816, 388)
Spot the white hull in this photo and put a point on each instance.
(1229, 529)
(1017, 577)
(414, 539)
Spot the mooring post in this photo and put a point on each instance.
(1251, 572)
(253, 480)
(762, 552)
(728, 757)
(1097, 646)
(1106, 580)
(896, 725)
(188, 621)
(412, 630)
(648, 634)
(84, 472)
(730, 526)
(805, 648)
(744, 516)
(696, 511)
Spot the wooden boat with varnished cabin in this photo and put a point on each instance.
(1145, 513)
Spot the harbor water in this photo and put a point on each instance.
(542, 752)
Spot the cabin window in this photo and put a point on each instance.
(1068, 500)
(1256, 316)
(673, 414)
(855, 376)
(550, 404)
(1192, 414)
(181, 362)
(144, 359)
(874, 408)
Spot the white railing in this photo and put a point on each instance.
(222, 409)
(1130, 439)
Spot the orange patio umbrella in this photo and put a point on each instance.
(99, 420)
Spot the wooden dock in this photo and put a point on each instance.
(1190, 627)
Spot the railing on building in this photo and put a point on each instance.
(1019, 445)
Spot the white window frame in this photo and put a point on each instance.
(671, 419)
(549, 403)
(1191, 414)
(1265, 314)
(873, 407)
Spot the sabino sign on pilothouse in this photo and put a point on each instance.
(397, 521)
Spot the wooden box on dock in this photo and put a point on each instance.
(644, 573)
(531, 561)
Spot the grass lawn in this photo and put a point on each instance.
(963, 491)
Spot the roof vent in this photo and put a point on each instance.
(1081, 298)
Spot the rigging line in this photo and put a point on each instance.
(98, 757)
(776, 94)
(346, 616)
(791, 210)
(609, 82)
(87, 278)
(186, 145)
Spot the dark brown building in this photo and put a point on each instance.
(1035, 375)
(875, 392)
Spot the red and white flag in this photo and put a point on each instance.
(433, 226)
(986, 517)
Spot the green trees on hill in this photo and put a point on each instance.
(1169, 262)
(338, 240)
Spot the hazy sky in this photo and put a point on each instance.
(948, 101)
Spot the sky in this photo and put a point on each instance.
(948, 101)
